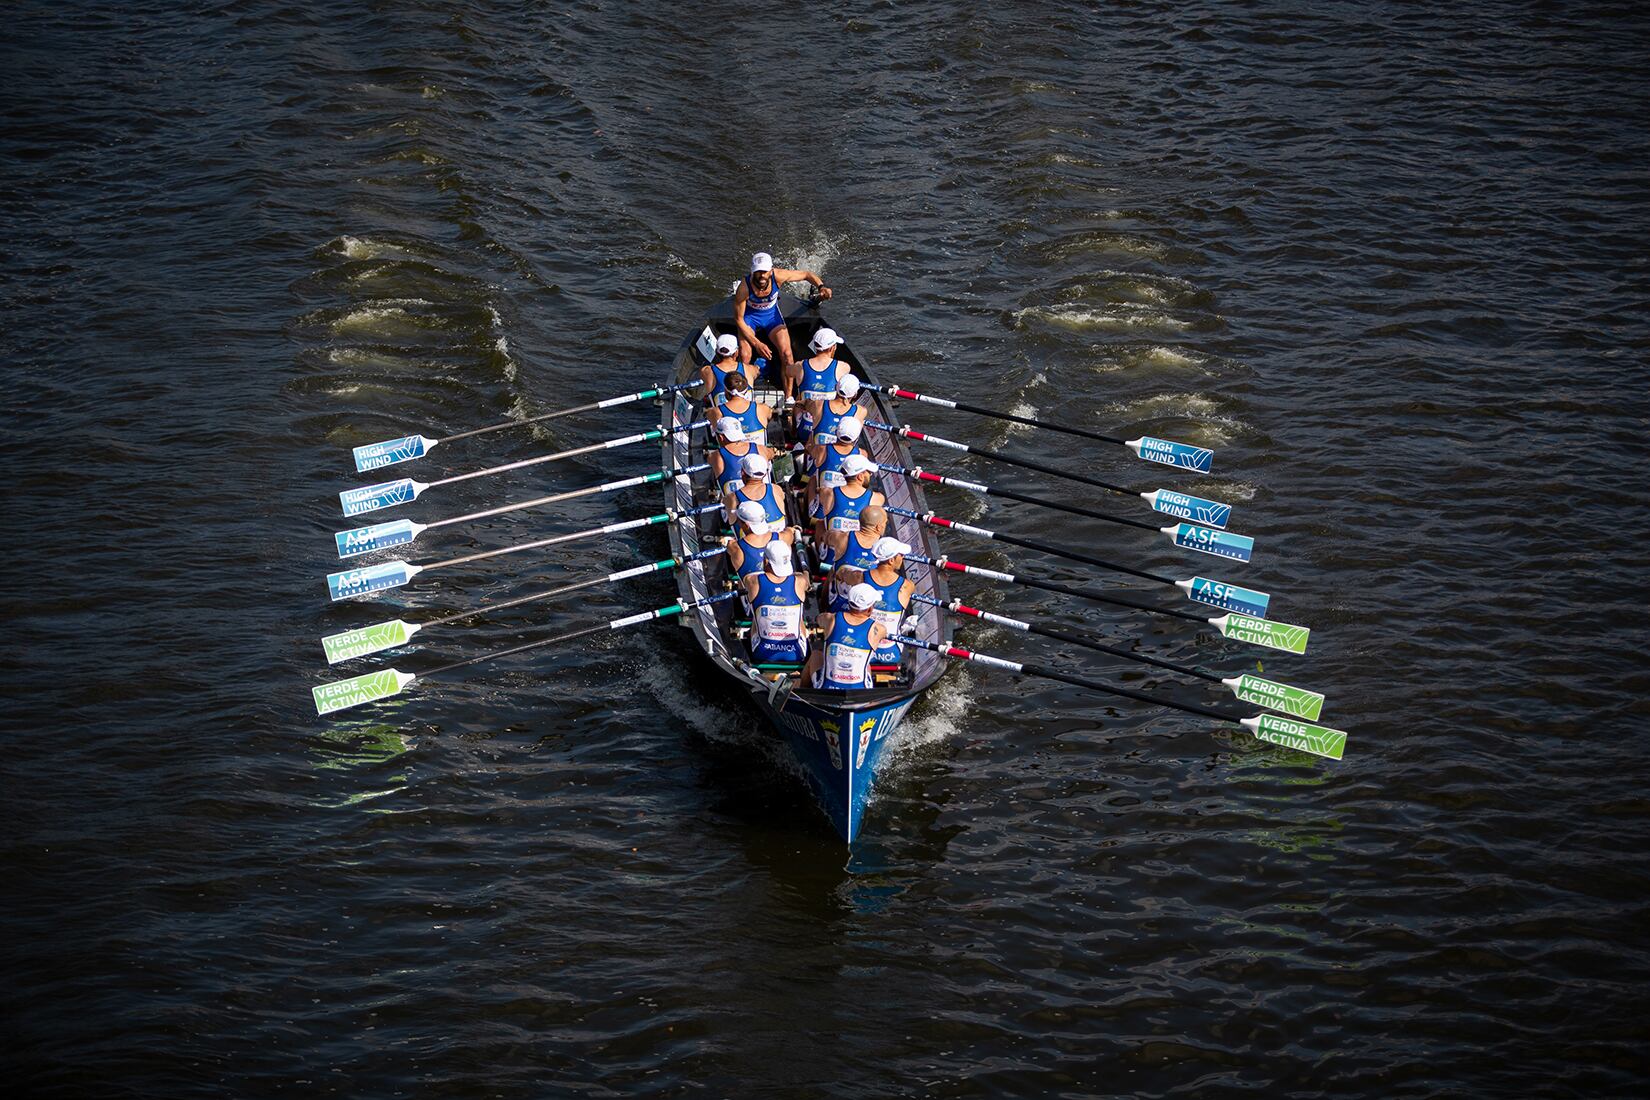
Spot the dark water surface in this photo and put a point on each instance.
(1389, 262)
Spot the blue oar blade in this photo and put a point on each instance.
(372, 578)
(1211, 513)
(391, 451)
(386, 494)
(379, 536)
(1170, 453)
(1206, 540)
(1227, 597)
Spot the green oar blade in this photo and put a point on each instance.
(1266, 632)
(1317, 740)
(367, 639)
(1275, 696)
(369, 687)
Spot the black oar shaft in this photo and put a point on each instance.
(997, 414)
(1051, 586)
(1000, 456)
(992, 490)
(591, 407)
(1031, 544)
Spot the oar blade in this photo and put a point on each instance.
(1293, 701)
(367, 640)
(1317, 740)
(1207, 540)
(1227, 597)
(369, 687)
(1265, 632)
(386, 494)
(369, 579)
(391, 451)
(1181, 456)
(1211, 513)
(379, 536)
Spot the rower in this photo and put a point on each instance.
(738, 403)
(731, 451)
(839, 508)
(755, 486)
(726, 362)
(825, 460)
(849, 553)
(895, 589)
(752, 537)
(820, 420)
(843, 662)
(776, 593)
(818, 376)
(757, 315)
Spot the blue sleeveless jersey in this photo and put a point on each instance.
(890, 614)
(752, 560)
(762, 310)
(769, 501)
(750, 420)
(731, 477)
(829, 418)
(718, 382)
(847, 664)
(845, 510)
(818, 384)
(776, 621)
(829, 470)
(854, 556)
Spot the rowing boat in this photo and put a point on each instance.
(839, 739)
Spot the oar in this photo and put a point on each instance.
(393, 574)
(1166, 451)
(1249, 688)
(381, 536)
(1241, 627)
(378, 637)
(1273, 728)
(1187, 536)
(391, 451)
(370, 498)
(1211, 512)
(372, 686)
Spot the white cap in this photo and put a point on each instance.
(824, 338)
(761, 262)
(753, 465)
(863, 597)
(778, 555)
(855, 464)
(727, 344)
(848, 387)
(752, 513)
(731, 428)
(849, 428)
(888, 548)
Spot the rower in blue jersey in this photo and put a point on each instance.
(757, 315)
(753, 534)
(848, 553)
(715, 375)
(731, 450)
(817, 378)
(887, 576)
(752, 414)
(825, 461)
(755, 486)
(819, 423)
(839, 508)
(851, 638)
(776, 594)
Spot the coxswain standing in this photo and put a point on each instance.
(752, 536)
(754, 487)
(730, 452)
(839, 508)
(756, 313)
(752, 414)
(817, 378)
(776, 593)
(851, 637)
(714, 376)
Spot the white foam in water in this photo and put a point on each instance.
(1118, 316)
(1170, 357)
(943, 709)
(815, 256)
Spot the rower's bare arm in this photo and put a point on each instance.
(784, 275)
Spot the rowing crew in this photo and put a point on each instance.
(866, 601)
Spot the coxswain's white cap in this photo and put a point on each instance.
(778, 555)
(753, 465)
(752, 513)
(731, 428)
(855, 464)
(848, 387)
(849, 428)
(863, 597)
(888, 548)
(727, 344)
(761, 262)
(825, 338)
